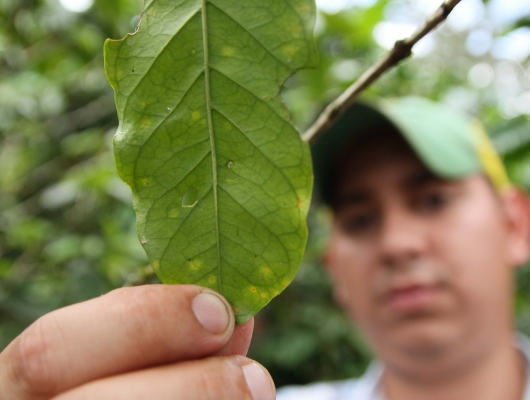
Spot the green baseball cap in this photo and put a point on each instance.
(449, 143)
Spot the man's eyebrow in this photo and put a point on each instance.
(422, 178)
(415, 180)
(352, 198)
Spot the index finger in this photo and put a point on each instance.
(125, 330)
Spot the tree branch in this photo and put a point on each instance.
(401, 50)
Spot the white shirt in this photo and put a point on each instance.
(368, 387)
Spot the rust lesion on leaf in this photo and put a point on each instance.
(303, 9)
(289, 50)
(173, 213)
(228, 51)
(194, 264)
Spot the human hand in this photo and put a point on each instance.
(160, 342)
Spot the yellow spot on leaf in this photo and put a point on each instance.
(295, 29)
(266, 270)
(228, 51)
(212, 279)
(173, 213)
(303, 9)
(263, 295)
(145, 122)
(195, 264)
(195, 115)
(145, 182)
(253, 289)
(155, 264)
(300, 203)
(289, 50)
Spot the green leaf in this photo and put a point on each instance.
(221, 179)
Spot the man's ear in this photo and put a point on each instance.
(517, 209)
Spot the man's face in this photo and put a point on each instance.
(422, 264)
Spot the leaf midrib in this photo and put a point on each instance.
(211, 133)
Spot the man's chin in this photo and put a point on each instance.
(422, 337)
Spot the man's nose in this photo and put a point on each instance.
(402, 237)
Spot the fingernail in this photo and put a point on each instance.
(211, 312)
(259, 382)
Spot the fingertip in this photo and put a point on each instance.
(212, 312)
(258, 379)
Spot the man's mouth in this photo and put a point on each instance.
(412, 298)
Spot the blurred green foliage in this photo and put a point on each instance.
(66, 221)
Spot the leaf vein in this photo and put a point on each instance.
(252, 36)
(184, 177)
(259, 150)
(155, 129)
(206, 53)
(160, 53)
(248, 91)
(257, 220)
(202, 252)
(182, 222)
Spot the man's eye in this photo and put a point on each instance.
(359, 223)
(434, 201)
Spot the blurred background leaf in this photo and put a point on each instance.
(66, 221)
